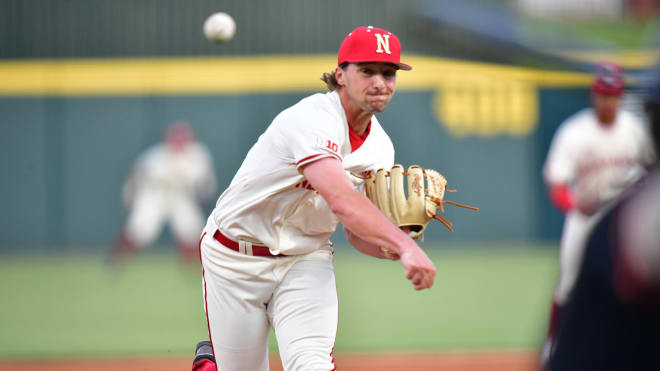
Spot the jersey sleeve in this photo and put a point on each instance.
(307, 136)
(388, 155)
(647, 155)
(560, 166)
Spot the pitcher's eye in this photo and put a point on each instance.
(389, 74)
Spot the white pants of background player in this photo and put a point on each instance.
(246, 295)
(150, 211)
(571, 249)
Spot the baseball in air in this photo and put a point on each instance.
(219, 27)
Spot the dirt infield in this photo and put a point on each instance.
(454, 361)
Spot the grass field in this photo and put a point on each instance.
(72, 305)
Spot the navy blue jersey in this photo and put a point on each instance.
(600, 330)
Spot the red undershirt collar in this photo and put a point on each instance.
(357, 139)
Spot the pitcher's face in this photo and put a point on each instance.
(369, 86)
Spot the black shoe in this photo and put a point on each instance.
(204, 351)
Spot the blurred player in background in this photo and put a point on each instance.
(266, 255)
(612, 320)
(594, 155)
(168, 183)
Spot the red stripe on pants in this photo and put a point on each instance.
(205, 364)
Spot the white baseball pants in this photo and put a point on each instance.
(571, 248)
(152, 209)
(246, 295)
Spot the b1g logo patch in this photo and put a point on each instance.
(327, 144)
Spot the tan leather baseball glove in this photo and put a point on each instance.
(425, 195)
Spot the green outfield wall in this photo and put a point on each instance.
(86, 85)
(72, 128)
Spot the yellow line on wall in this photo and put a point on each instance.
(638, 59)
(237, 75)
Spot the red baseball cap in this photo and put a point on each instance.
(609, 79)
(371, 44)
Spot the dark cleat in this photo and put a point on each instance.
(204, 350)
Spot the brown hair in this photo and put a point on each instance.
(330, 79)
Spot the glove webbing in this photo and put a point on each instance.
(441, 203)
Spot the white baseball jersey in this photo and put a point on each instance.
(168, 185)
(269, 202)
(189, 169)
(598, 163)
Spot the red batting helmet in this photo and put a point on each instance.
(370, 44)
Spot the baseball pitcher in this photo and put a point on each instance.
(266, 255)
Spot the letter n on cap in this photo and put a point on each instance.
(383, 42)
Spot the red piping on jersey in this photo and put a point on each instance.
(206, 304)
(308, 158)
(356, 139)
(332, 352)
